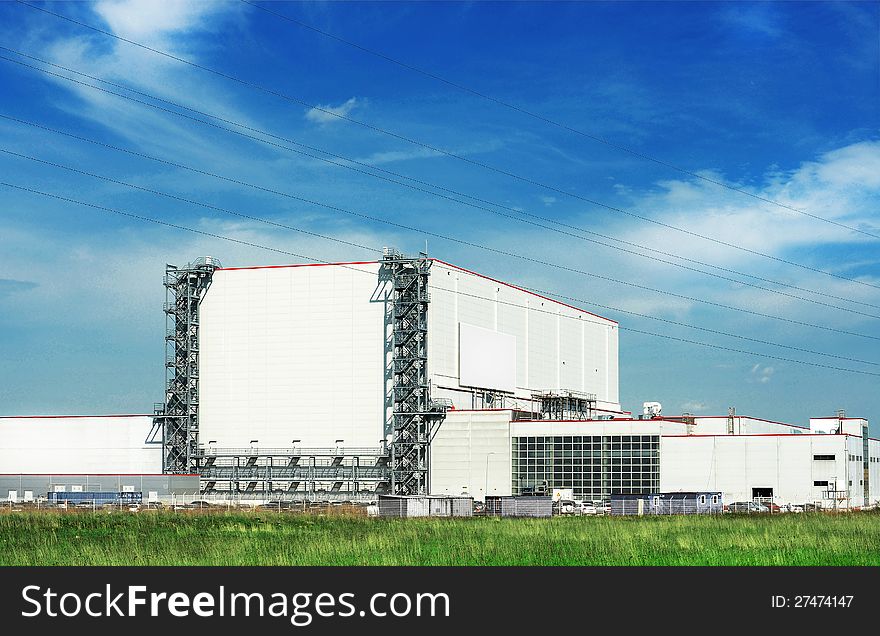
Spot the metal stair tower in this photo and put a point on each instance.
(179, 416)
(415, 417)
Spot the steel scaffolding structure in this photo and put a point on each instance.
(311, 474)
(415, 417)
(178, 418)
(566, 405)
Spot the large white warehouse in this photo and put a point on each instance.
(301, 352)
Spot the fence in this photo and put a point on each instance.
(425, 506)
(519, 506)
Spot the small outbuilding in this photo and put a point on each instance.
(668, 503)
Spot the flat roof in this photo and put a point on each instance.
(232, 269)
(677, 419)
(435, 260)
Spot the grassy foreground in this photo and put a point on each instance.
(262, 538)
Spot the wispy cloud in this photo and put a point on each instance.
(11, 286)
(327, 114)
(693, 407)
(754, 19)
(761, 374)
(176, 27)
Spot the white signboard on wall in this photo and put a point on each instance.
(486, 358)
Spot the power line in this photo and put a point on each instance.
(591, 303)
(492, 211)
(377, 250)
(399, 136)
(552, 122)
(518, 212)
(312, 259)
(203, 204)
(472, 244)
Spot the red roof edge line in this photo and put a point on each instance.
(516, 287)
(232, 269)
(771, 435)
(675, 419)
(69, 417)
(436, 260)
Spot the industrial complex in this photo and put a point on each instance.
(412, 376)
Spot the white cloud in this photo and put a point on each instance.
(693, 407)
(327, 114)
(168, 26)
(548, 201)
(761, 373)
(150, 20)
(393, 156)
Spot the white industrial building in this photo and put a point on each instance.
(78, 444)
(290, 376)
(300, 352)
(833, 462)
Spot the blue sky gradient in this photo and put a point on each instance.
(781, 100)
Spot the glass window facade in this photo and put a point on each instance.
(594, 467)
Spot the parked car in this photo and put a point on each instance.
(792, 508)
(588, 509)
(773, 508)
(200, 504)
(566, 507)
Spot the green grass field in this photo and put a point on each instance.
(262, 538)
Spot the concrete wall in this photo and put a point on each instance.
(101, 444)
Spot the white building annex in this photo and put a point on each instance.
(78, 444)
(494, 453)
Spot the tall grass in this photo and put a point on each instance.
(263, 538)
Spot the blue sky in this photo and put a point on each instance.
(781, 100)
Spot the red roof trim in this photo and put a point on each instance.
(231, 269)
(480, 410)
(675, 419)
(772, 435)
(501, 282)
(436, 260)
(66, 417)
